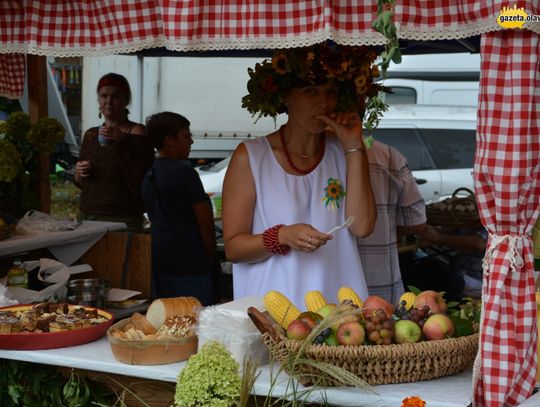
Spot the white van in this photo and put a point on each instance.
(434, 79)
(438, 142)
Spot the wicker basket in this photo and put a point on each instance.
(375, 364)
(456, 211)
(6, 231)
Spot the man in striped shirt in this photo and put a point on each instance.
(399, 205)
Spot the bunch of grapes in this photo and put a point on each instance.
(401, 310)
(380, 328)
(418, 315)
(319, 339)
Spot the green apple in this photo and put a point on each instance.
(331, 340)
(407, 331)
(325, 310)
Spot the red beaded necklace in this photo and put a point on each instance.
(322, 146)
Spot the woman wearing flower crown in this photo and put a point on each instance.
(113, 159)
(283, 192)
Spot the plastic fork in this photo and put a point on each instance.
(345, 224)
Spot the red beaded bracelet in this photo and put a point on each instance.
(271, 241)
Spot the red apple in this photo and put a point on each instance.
(407, 331)
(438, 326)
(433, 300)
(350, 333)
(298, 330)
(373, 303)
(309, 317)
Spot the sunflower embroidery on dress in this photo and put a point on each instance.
(333, 193)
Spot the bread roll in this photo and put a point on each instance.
(164, 308)
(139, 322)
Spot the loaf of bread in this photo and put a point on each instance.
(164, 308)
(177, 327)
(141, 323)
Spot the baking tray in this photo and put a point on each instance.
(52, 340)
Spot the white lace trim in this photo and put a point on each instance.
(11, 95)
(408, 32)
(201, 44)
(516, 261)
(456, 31)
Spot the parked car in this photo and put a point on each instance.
(438, 142)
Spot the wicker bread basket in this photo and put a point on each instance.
(456, 211)
(375, 364)
(150, 351)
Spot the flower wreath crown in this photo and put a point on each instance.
(353, 68)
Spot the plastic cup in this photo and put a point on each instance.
(102, 139)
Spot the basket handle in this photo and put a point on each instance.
(471, 193)
(262, 323)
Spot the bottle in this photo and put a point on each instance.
(17, 276)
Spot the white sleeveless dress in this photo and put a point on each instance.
(313, 199)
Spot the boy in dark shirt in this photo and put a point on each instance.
(180, 212)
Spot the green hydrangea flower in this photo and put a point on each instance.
(18, 125)
(211, 378)
(3, 128)
(46, 134)
(10, 161)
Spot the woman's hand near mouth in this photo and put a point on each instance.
(346, 126)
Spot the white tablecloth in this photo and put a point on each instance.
(67, 247)
(452, 391)
(96, 356)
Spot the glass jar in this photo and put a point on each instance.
(17, 276)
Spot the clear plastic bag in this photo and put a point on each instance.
(35, 222)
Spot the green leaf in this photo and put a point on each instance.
(414, 290)
(462, 327)
(14, 392)
(453, 304)
(476, 314)
(396, 59)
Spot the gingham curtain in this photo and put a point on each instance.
(506, 172)
(507, 155)
(12, 69)
(104, 27)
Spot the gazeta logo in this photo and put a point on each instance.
(512, 17)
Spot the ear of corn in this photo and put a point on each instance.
(347, 293)
(280, 308)
(314, 300)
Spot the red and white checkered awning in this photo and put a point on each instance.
(507, 156)
(105, 27)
